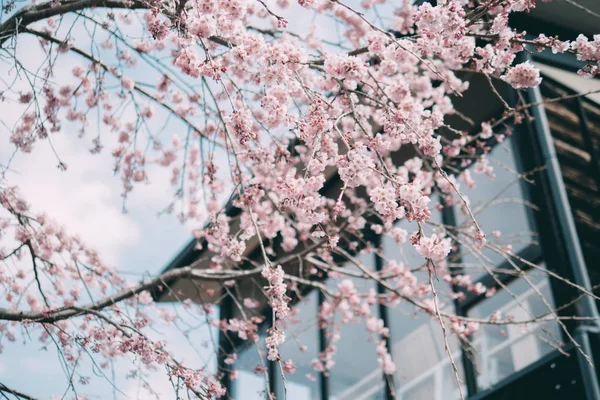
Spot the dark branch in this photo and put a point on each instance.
(33, 13)
(16, 393)
(63, 313)
(190, 272)
(108, 69)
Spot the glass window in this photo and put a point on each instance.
(250, 383)
(498, 205)
(356, 373)
(441, 385)
(503, 350)
(302, 346)
(424, 370)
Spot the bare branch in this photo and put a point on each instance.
(37, 12)
(6, 389)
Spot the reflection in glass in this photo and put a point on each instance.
(503, 350)
(302, 346)
(449, 386)
(251, 383)
(424, 370)
(498, 205)
(356, 374)
(421, 391)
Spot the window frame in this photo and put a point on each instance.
(550, 250)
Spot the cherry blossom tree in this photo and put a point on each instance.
(239, 103)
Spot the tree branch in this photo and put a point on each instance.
(110, 70)
(37, 12)
(192, 272)
(63, 313)
(16, 393)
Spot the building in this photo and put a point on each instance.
(560, 212)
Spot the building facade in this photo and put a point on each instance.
(550, 171)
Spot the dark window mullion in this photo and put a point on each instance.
(560, 237)
(272, 367)
(274, 377)
(322, 347)
(388, 380)
(225, 345)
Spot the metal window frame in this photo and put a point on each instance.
(558, 236)
(389, 384)
(559, 245)
(552, 251)
(559, 248)
(531, 252)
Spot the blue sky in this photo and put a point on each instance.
(86, 199)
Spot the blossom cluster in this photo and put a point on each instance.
(314, 143)
(276, 293)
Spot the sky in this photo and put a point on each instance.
(86, 200)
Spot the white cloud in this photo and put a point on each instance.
(82, 198)
(85, 198)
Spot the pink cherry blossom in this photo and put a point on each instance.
(523, 75)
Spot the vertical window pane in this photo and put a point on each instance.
(503, 350)
(499, 205)
(301, 346)
(356, 374)
(449, 385)
(251, 382)
(424, 370)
